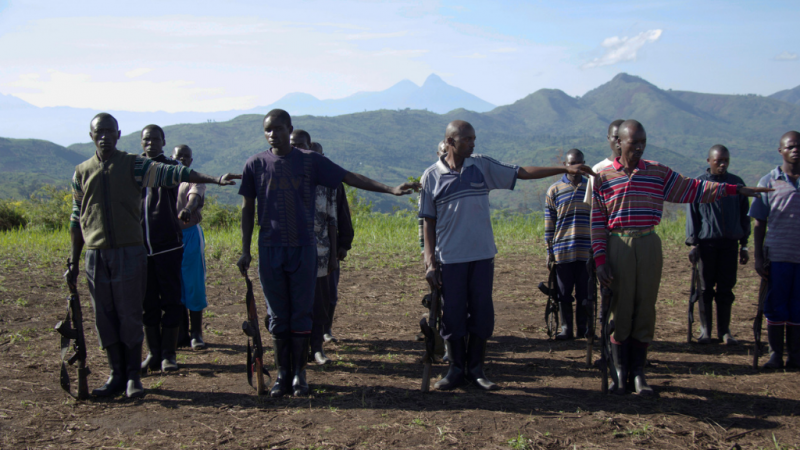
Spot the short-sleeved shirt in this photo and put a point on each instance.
(566, 221)
(284, 188)
(587, 197)
(184, 191)
(460, 204)
(781, 210)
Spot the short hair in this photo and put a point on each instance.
(152, 127)
(316, 146)
(575, 152)
(280, 115)
(302, 133)
(182, 147)
(718, 148)
(615, 124)
(101, 116)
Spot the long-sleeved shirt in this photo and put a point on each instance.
(344, 221)
(566, 221)
(725, 219)
(637, 201)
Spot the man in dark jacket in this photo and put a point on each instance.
(716, 231)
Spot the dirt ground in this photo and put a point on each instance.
(709, 397)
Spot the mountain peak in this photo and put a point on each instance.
(623, 77)
(433, 80)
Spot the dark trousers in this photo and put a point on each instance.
(288, 278)
(333, 280)
(322, 301)
(782, 306)
(571, 276)
(718, 267)
(467, 299)
(163, 291)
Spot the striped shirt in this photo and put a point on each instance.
(781, 210)
(146, 173)
(566, 221)
(638, 201)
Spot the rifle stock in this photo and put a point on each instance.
(255, 353)
(551, 319)
(71, 331)
(429, 327)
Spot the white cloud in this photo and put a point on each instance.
(505, 50)
(472, 56)
(137, 72)
(786, 56)
(619, 49)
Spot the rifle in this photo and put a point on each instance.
(71, 330)
(694, 297)
(591, 310)
(551, 309)
(255, 353)
(763, 290)
(429, 329)
(605, 342)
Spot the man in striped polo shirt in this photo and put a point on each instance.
(460, 249)
(569, 242)
(628, 202)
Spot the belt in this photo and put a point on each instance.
(633, 232)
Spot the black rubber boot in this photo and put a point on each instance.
(565, 316)
(132, 358)
(169, 344)
(117, 380)
(317, 339)
(184, 340)
(476, 355)
(153, 361)
(638, 357)
(328, 336)
(299, 353)
(581, 321)
(775, 338)
(793, 346)
(283, 365)
(196, 319)
(706, 320)
(620, 353)
(724, 324)
(455, 374)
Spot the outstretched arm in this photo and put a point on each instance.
(534, 173)
(361, 182)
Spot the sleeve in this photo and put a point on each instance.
(344, 223)
(587, 197)
(247, 188)
(497, 175)
(760, 208)
(427, 204)
(77, 199)
(599, 225)
(326, 172)
(550, 214)
(197, 189)
(679, 189)
(149, 173)
(692, 223)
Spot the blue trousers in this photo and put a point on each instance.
(782, 305)
(288, 278)
(193, 269)
(467, 299)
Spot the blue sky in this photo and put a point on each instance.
(211, 56)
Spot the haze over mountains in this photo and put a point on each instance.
(391, 145)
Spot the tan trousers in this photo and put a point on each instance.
(636, 265)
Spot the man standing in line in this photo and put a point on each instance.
(191, 198)
(776, 252)
(460, 248)
(628, 202)
(613, 142)
(106, 201)
(715, 231)
(568, 236)
(284, 180)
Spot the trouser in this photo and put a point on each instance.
(782, 305)
(322, 301)
(193, 269)
(117, 281)
(467, 306)
(636, 267)
(288, 278)
(571, 276)
(718, 266)
(163, 292)
(333, 282)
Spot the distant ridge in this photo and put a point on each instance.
(788, 95)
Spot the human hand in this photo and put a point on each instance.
(244, 263)
(333, 264)
(71, 275)
(752, 191)
(604, 275)
(226, 180)
(185, 215)
(341, 254)
(693, 255)
(433, 277)
(577, 169)
(744, 256)
(406, 188)
(761, 268)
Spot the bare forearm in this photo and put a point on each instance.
(429, 232)
(194, 203)
(248, 223)
(76, 236)
(534, 173)
(361, 182)
(759, 231)
(201, 178)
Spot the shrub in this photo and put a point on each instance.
(48, 208)
(220, 215)
(10, 216)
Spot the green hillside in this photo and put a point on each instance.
(27, 164)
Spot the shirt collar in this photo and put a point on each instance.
(619, 166)
(778, 174)
(565, 179)
(444, 168)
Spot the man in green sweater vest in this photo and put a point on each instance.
(106, 201)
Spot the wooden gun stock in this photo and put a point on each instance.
(71, 331)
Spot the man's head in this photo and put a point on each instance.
(183, 154)
(460, 138)
(573, 156)
(278, 128)
(104, 131)
(632, 141)
(300, 139)
(153, 140)
(719, 158)
(613, 136)
(317, 147)
(790, 147)
(442, 149)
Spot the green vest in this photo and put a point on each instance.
(112, 199)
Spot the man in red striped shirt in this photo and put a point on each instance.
(628, 202)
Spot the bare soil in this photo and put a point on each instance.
(709, 397)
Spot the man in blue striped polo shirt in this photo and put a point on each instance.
(569, 242)
(460, 249)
